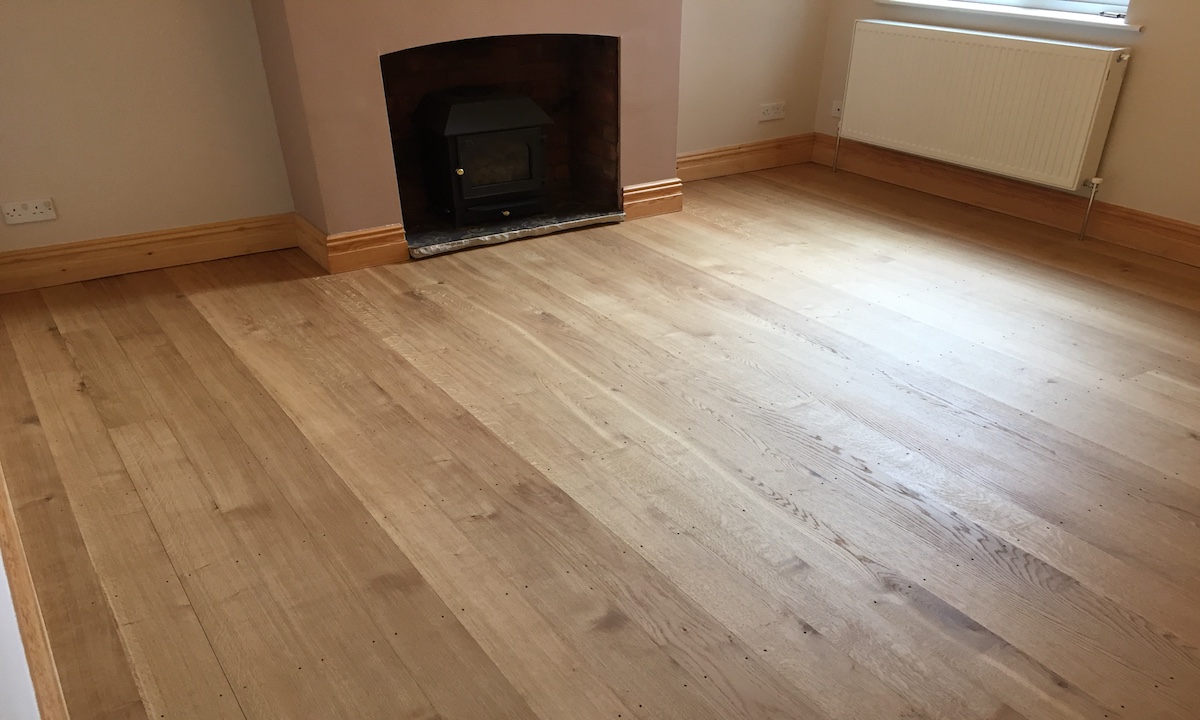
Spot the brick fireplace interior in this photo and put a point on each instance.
(573, 78)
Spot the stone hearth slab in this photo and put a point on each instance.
(427, 243)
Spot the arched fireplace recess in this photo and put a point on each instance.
(499, 138)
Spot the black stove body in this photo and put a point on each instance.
(483, 152)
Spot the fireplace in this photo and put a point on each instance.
(483, 153)
(504, 137)
(346, 78)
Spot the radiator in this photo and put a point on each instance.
(1031, 109)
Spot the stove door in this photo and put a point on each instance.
(501, 163)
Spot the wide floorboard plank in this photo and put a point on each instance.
(94, 671)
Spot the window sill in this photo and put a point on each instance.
(1055, 16)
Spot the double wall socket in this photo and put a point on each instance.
(772, 111)
(27, 211)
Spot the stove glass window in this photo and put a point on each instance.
(497, 160)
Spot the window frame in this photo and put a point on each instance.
(1022, 10)
(1082, 7)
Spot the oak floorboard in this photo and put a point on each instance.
(815, 448)
(559, 400)
(262, 569)
(1002, 514)
(563, 336)
(583, 578)
(1038, 449)
(141, 584)
(992, 440)
(435, 648)
(934, 347)
(94, 670)
(1071, 339)
(1093, 260)
(539, 662)
(903, 672)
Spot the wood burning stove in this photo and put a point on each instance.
(483, 152)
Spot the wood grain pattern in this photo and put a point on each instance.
(93, 669)
(747, 157)
(1145, 232)
(654, 198)
(38, 655)
(72, 262)
(142, 584)
(816, 447)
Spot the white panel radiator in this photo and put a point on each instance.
(1036, 110)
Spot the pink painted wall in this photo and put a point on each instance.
(322, 61)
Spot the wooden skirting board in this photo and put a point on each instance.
(1153, 234)
(343, 252)
(747, 157)
(74, 262)
(653, 198)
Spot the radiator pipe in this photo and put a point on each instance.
(1095, 184)
(837, 148)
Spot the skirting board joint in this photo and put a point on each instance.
(343, 252)
(653, 198)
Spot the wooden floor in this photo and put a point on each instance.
(816, 448)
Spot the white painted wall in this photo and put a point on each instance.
(739, 55)
(134, 115)
(1152, 162)
(17, 701)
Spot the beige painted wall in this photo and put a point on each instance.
(323, 64)
(134, 115)
(138, 115)
(739, 55)
(1153, 158)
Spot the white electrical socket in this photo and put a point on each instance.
(836, 111)
(772, 111)
(28, 211)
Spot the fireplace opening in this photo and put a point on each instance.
(504, 137)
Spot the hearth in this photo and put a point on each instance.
(484, 154)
